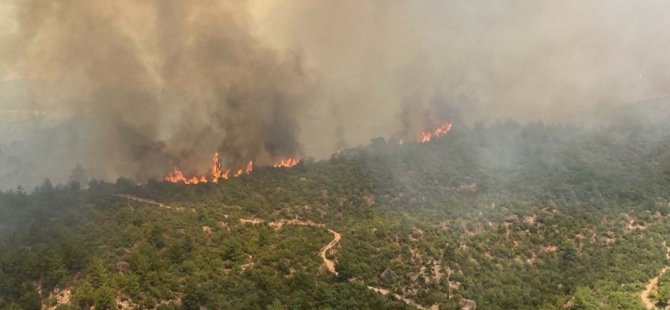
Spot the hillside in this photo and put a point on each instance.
(510, 216)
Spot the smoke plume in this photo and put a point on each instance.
(387, 62)
(129, 88)
(146, 85)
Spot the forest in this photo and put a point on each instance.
(508, 215)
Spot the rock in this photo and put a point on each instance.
(467, 304)
(388, 275)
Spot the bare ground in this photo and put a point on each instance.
(329, 263)
(651, 286)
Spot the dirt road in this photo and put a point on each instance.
(329, 263)
(652, 285)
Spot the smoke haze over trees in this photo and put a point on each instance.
(128, 88)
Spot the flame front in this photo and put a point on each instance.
(287, 163)
(177, 176)
(245, 170)
(217, 172)
(426, 136)
(444, 129)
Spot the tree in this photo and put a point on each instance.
(193, 296)
(663, 295)
(584, 300)
(98, 273)
(30, 300)
(52, 267)
(84, 295)
(46, 190)
(105, 298)
(78, 175)
(75, 186)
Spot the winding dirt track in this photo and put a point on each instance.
(652, 285)
(329, 263)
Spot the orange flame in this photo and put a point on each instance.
(217, 173)
(444, 129)
(426, 136)
(177, 176)
(245, 170)
(287, 163)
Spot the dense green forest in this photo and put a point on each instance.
(510, 216)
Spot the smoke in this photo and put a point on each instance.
(129, 88)
(141, 86)
(386, 62)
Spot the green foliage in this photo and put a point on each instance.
(84, 295)
(511, 216)
(585, 300)
(105, 298)
(663, 294)
(13, 306)
(30, 300)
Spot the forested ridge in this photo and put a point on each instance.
(510, 216)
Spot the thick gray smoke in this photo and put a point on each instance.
(140, 86)
(558, 61)
(128, 88)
